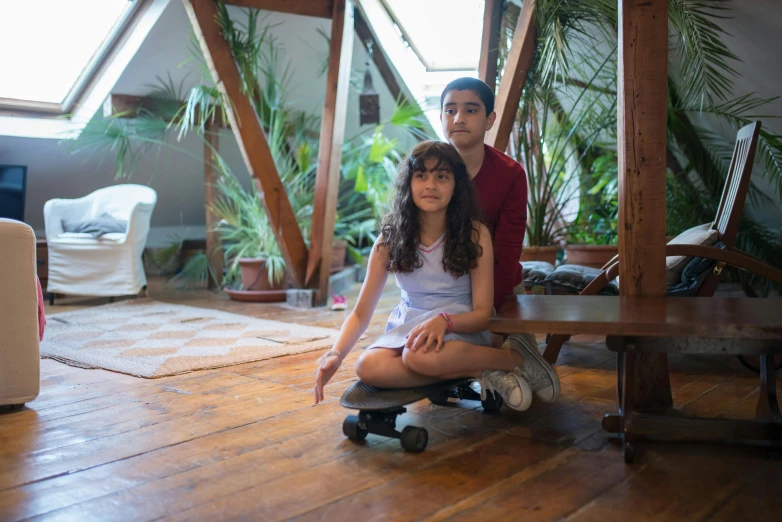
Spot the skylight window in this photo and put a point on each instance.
(444, 34)
(51, 48)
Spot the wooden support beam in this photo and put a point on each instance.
(125, 105)
(512, 82)
(641, 146)
(318, 8)
(490, 42)
(383, 64)
(249, 136)
(129, 105)
(214, 246)
(332, 134)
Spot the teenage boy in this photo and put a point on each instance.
(467, 113)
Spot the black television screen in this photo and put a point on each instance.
(13, 181)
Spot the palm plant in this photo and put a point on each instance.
(244, 228)
(129, 139)
(552, 143)
(575, 59)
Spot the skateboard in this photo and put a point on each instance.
(378, 409)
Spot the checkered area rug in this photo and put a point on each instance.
(147, 338)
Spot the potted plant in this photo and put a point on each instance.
(549, 151)
(592, 238)
(592, 242)
(253, 258)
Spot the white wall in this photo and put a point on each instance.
(756, 27)
(178, 178)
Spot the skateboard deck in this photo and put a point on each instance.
(363, 397)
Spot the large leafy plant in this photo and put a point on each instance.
(575, 59)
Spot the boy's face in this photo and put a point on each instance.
(464, 119)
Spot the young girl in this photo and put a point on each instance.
(443, 262)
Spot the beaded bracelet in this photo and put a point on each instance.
(447, 320)
(333, 352)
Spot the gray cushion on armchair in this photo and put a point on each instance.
(533, 273)
(536, 271)
(574, 278)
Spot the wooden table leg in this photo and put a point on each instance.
(622, 422)
(768, 407)
(653, 383)
(612, 422)
(628, 404)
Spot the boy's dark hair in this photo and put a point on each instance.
(401, 229)
(479, 87)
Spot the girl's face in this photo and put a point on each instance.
(432, 188)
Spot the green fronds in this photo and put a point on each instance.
(700, 47)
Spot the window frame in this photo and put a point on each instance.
(89, 74)
(409, 41)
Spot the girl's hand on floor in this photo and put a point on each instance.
(328, 365)
(427, 335)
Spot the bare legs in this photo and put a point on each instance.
(395, 368)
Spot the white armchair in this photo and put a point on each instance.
(20, 368)
(109, 265)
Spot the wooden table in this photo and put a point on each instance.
(704, 325)
(712, 317)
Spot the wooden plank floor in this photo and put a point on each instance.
(246, 443)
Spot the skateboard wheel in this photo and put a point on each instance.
(439, 398)
(493, 402)
(352, 430)
(629, 452)
(414, 439)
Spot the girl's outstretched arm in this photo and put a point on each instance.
(429, 334)
(358, 320)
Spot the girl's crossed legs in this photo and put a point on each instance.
(403, 368)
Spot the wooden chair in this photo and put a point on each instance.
(726, 223)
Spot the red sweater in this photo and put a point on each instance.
(501, 185)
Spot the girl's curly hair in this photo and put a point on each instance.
(401, 228)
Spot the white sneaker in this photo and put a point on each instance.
(542, 376)
(513, 387)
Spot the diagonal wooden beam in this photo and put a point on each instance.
(641, 147)
(519, 61)
(249, 136)
(332, 134)
(490, 42)
(318, 8)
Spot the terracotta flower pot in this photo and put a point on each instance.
(540, 253)
(255, 275)
(595, 256)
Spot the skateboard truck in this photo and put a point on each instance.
(380, 420)
(383, 422)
